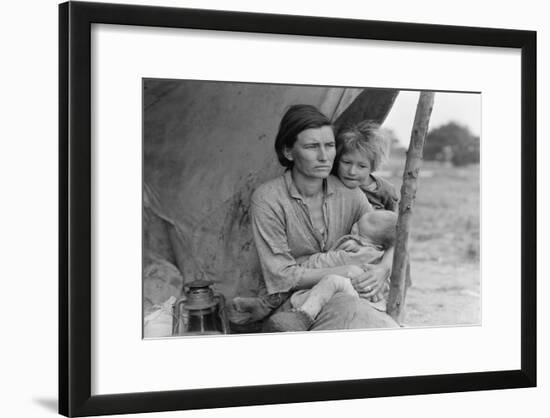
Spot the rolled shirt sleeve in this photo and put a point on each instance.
(280, 270)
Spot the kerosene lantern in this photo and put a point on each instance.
(200, 311)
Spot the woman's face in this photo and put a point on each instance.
(313, 152)
(353, 169)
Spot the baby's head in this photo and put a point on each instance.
(360, 149)
(378, 228)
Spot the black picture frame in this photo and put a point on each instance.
(75, 174)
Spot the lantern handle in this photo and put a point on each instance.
(177, 315)
(222, 313)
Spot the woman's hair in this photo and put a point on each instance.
(365, 137)
(297, 118)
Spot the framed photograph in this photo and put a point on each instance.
(260, 209)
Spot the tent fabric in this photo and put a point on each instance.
(207, 146)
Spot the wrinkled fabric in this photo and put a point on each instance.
(381, 194)
(346, 312)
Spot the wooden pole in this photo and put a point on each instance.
(396, 299)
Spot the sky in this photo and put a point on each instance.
(463, 108)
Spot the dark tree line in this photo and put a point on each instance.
(452, 143)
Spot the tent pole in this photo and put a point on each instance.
(396, 299)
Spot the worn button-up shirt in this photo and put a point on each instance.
(284, 232)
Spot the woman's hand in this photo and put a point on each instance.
(372, 281)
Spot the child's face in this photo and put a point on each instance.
(353, 169)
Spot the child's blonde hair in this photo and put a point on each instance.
(365, 137)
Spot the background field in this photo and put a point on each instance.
(444, 244)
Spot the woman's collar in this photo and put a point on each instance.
(329, 185)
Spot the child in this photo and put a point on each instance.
(360, 151)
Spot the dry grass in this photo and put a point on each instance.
(444, 245)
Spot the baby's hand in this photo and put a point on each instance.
(360, 257)
(350, 246)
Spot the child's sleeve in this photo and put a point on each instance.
(391, 197)
(392, 203)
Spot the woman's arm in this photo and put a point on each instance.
(358, 256)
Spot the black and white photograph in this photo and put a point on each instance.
(292, 208)
(296, 208)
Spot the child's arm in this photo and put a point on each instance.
(392, 204)
(391, 199)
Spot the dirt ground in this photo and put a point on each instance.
(444, 245)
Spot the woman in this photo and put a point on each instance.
(303, 213)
